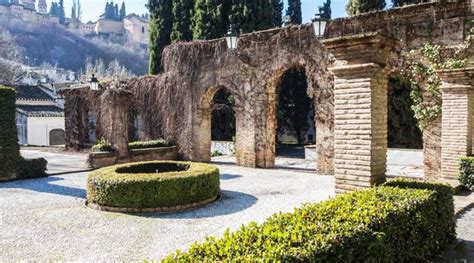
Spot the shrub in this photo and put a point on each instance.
(150, 144)
(13, 166)
(153, 184)
(383, 224)
(466, 172)
(104, 146)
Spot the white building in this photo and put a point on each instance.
(40, 122)
(47, 75)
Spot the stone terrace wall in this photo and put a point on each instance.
(441, 22)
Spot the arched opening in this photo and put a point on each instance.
(57, 137)
(404, 137)
(295, 135)
(223, 124)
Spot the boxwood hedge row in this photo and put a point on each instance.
(153, 184)
(13, 166)
(466, 172)
(402, 221)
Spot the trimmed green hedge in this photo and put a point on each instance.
(391, 223)
(466, 172)
(138, 185)
(13, 166)
(104, 146)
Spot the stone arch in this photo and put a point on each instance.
(56, 137)
(202, 122)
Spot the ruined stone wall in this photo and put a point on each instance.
(177, 103)
(441, 22)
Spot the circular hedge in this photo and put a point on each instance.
(153, 186)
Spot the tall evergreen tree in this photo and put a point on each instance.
(74, 10)
(182, 19)
(161, 23)
(116, 12)
(79, 10)
(294, 12)
(54, 9)
(210, 19)
(325, 10)
(277, 9)
(123, 11)
(355, 7)
(405, 2)
(62, 13)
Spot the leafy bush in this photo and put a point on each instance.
(466, 172)
(150, 144)
(216, 153)
(104, 146)
(13, 166)
(390, 223)
(153, 184)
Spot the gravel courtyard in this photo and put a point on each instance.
(45, 219)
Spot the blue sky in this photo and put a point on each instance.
(92, 9)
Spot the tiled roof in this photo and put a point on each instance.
(24, 92)
(40, 111)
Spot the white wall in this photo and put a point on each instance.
(39, 128)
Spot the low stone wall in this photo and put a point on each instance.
(104, 159)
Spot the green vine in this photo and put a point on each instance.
(422, 67)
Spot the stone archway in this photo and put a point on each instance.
(56, 137)
(202, 123)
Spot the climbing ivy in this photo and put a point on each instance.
(422, 71)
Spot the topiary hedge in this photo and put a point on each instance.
(153, 184)
(398, 222)
(13, 166)
(103, 146)
(466, 172)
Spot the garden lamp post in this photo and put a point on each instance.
(232, 39)
(94, 83)
(319, 25)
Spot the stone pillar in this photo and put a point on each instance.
(118, 114)
(457, 121)
(360, 107)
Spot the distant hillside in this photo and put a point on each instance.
(61, 48)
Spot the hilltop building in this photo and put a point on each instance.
(133, 28)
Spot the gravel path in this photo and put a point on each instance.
(44, 219)
(463, 251)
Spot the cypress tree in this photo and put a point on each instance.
(294, 12)
(325, 10)
(210, 19)
(73, 10)
(123, 11)
(356, 7)
(277, 9)
(161, 23)
(62, 13)
(182, 14)
(116, 12)
(405, 2)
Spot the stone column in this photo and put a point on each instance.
(360, 107)
(118, 112)
(457, 121)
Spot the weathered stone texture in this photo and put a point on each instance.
(457, 125)
(441, 22)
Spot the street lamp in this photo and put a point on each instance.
(232, 39)
(94, 83)
(319, 25)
